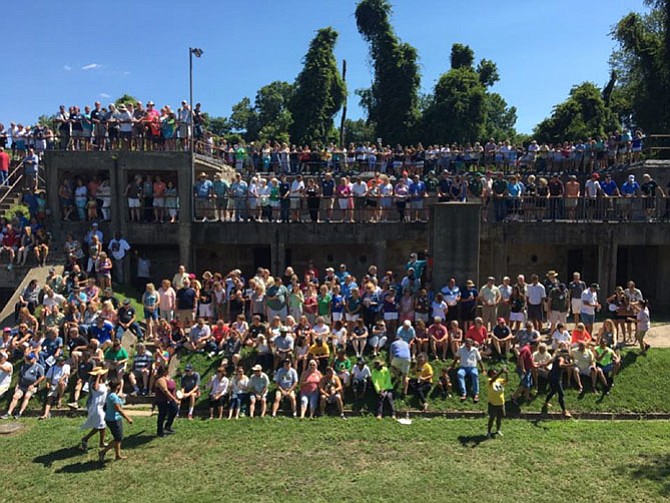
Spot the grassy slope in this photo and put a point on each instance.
(356, 460)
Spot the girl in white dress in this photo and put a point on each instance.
(95, 421)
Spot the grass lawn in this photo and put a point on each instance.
(355, 460)
(639, 387)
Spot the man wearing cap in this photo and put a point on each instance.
(283, 345)
(490, 297)
(6, 371)
(381, 380)
(589, 306)
(220, 190)
(258, 389)
(557, 306)
(406, 332)
(360, 376)
(287, 380)
(190, 388)
(629, 190)
(56, 382)
(31, 374)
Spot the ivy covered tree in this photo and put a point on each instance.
(583, 115)
(268, 118)
(642, 64)
(392, 101)
(319, 92)
(461, 107)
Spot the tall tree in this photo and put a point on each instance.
(392, 103)
(462, 108)
(642, 62)
(268, 118)
(319, 91)
(583, 115)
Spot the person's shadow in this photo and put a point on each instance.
(66, 453)
(472, 441)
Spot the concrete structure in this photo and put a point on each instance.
(609, 253)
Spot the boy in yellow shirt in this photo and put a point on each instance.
(496, 397)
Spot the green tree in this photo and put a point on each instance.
(462, 108)
(126, 98)
(218, 126)
(583, 115)
(392, 103)
(358, 131)
(319, 91)
(269, 118)
(642, 63)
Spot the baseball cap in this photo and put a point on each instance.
(256, 368)
(31, 356)
(126, 302)
(188, 367)
(7, 329)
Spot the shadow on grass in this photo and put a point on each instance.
(137, 440)
(472, 441)
(86, 466)
(66, 453)
(655, 468)
(629, 359)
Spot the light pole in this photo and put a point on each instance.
(197, 53)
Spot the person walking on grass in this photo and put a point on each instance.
(114, 416)
(643, 324)
(495, 391)
(561, 362)
(95, 420)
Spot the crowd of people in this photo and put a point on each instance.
(309, 341)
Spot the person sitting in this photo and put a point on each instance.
(524, 337)
(439, 338)
(542, 364)
(31, 374)
(381, 381)
(190, 388)
(258, 389)
(479, 336)
(455, 337)
(141, 371)
(379, 337)
(320, 352)
(585, 366)
(360, 375)
(116, 358)
(6, 371)
(330, 389)
(56, 380)
(283, 345)
(199, 336)
(218, 392)
(287, 380)
(342, 366)
(502, 338)
(127, 320)
(444, 383)
(580, 334)
(559, 336)
(607, 361)
(239, 392)
(421, 381)
(468, 359)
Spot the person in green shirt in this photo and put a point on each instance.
(342, 366)
(116, 358)
(323, 303)
(381, 380)
(608, 361)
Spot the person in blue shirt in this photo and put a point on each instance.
(203, 191)
(514, 191)
(401, 360)
(239, 190)
(609, 186)
(418, 265)
(114, 416)
(102, 330)
(220, 190)
(327, 193)
(417, 193)
(629, 189)
(468, 305)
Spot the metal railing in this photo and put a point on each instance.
(14, 178)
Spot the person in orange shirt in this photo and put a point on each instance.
(580, 334)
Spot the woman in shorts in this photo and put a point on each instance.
(114, 416)
(455, 337)
(150, 302)
(517, 309)
(218, 392)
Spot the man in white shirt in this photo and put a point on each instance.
(56, 383)
(296, 192)
(452, 294)
(589, 306)
(490, 297)
(535, 296)
(469, 359)
(592, 190)
(118, 247)
(359, 189)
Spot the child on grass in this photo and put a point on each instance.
(496, 398)
(114, 416)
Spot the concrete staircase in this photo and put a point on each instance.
(38, 273)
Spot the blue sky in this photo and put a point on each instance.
(75, 52)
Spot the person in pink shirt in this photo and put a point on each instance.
(168, 300)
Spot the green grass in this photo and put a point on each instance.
(357, 460)
(639, 388)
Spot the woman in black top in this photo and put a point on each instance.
(312, 193)
(560, 363)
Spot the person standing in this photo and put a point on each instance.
(495, 391)
(4, 167)
(118, 248)
(95, 420)
(560, 363)
(114, 416)
(166, 401)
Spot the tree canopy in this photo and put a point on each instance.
(318, 92)
(268, 118)
(392, 100)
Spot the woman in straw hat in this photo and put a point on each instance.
(95, 421)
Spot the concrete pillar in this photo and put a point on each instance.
(278, 253)
(454, 241)
(607, 266)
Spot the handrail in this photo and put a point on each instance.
(10, 188)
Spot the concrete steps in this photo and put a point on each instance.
(38, 273)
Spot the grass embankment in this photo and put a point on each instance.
(355, 460)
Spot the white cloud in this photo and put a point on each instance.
(67, 68)
(105, 95)
(126, 73)
(92, 66)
